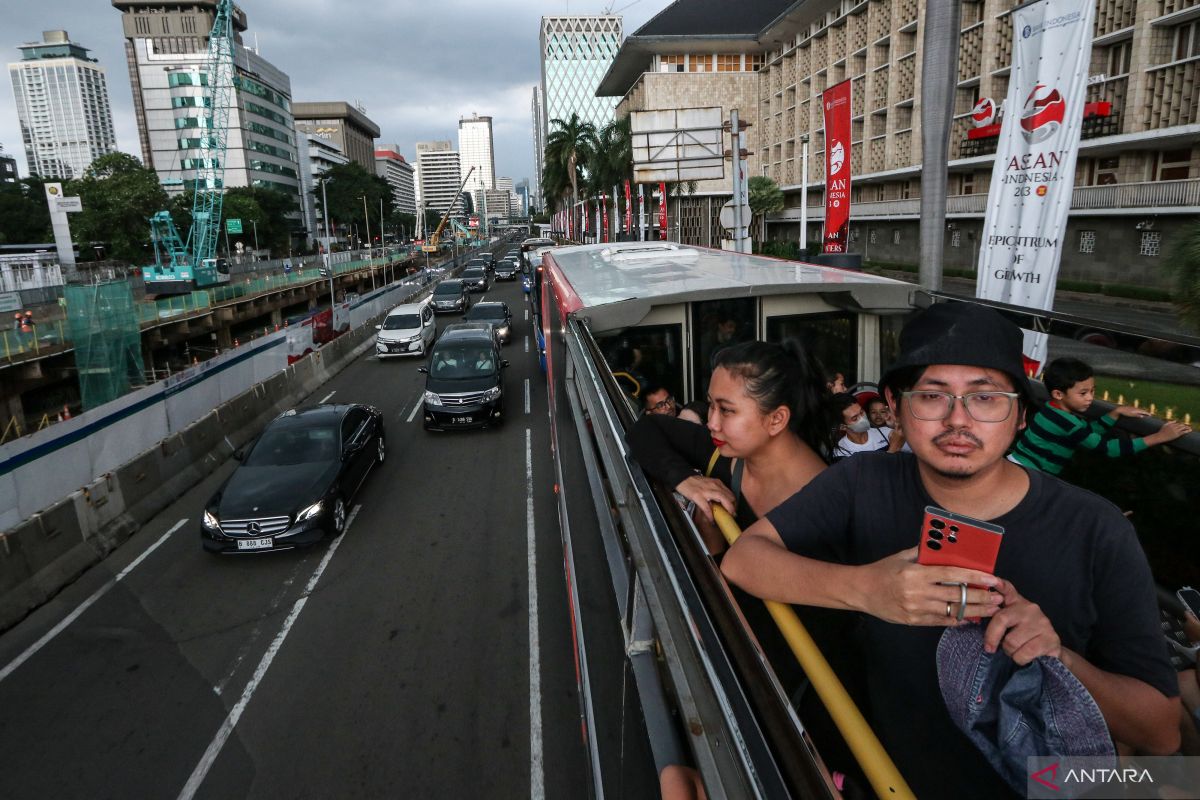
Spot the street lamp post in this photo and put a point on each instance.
(370, 253)
(328, 257)
(255, 224)
(803, 194)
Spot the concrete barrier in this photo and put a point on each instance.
(51, 549)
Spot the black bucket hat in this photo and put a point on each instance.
(961, 333)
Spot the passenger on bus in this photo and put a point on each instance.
(879, 413)
(835, 383)
(857, 434)
(1071, 581)
(764, 425)
(1060, 427)
(658, 399)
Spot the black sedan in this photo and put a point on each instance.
(475, 279)
(296, 481)
(497, 315)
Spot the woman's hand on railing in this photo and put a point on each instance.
(702, 491)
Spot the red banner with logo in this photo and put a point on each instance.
(662, 210)
(836, 103)
(604, 215)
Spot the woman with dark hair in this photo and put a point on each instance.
(764, 424)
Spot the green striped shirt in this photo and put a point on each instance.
(1054, 434)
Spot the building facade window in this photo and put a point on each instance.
(895, 236)
(1087, 241)
(1174, 165)
(956, 238)
(1150, 243)
(1103, 171)
(187, 79)
(871, 235)
(672, 63)
(729, 62)
(700, 62)
(1187, 41)
(755, 62)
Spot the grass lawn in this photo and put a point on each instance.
(1179, 399)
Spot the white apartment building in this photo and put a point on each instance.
(475, 150)
(539, 144)
(395, 169)
(318, 154)
(439, 173)
(166, 47)
(576, 52)
(62, 106)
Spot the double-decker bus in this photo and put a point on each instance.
(669, 670)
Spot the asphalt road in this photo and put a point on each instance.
(396, 662)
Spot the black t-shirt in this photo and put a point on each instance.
(1064, 548)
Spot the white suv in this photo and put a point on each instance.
(407, 330)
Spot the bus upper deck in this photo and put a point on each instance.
(712, 690)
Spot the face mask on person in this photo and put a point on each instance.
(860, 425)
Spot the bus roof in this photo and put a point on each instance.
(616, 285)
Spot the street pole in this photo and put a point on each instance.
(255, 224)
(803, 195)
(325, 211)
(370, 252)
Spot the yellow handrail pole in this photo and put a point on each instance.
(876, 764)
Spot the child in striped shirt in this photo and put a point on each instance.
(1059, 428)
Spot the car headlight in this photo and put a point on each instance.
(492, 394)
(210, 521)
(432, 399)
(310, 512)
(502, 330)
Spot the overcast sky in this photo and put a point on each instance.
(415, 65)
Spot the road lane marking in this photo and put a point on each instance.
(537, 789)
(412, 414)
(214, 747)
(284, 589)
(526, 344)
(527, 395)
(326, 397)
(527, 315)
(85, 605)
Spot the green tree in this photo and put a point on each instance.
(764, 197)
(24, 214)
(1183, 261)
(345, 187)
(119, 195)
(570, 146)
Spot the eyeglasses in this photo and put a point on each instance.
(663, 405)
(982, 406)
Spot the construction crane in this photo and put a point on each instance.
(180, 266)
(432, 245)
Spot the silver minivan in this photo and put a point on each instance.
(407, 330)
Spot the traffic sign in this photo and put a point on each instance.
(233, 225)
(729, 220)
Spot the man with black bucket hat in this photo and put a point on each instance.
(1071, 584)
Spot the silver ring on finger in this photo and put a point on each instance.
(962, 608)
(948, 608)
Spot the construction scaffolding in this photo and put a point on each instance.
(103, 323)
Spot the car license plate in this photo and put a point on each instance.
(460, 420)
(265, 543)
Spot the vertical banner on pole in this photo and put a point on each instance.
(662, 211)
(628, 209)
(836, 103)
(641, 212)
(604, 216)
(1034, 173)
(584, 219)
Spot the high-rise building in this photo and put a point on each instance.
(475, 150)
(393, 168)
(343, 123)
(317, 154)
(439, 173)
(166, 46)
(522, 192)
(62, 106)
(576, 53)
(539, 143)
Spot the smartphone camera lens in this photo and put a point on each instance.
(937, 523)
(935, 534)
(933, 544)
(954, 529)
(952, 538)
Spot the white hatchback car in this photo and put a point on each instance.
(407, 330)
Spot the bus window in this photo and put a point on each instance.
(831, 337)
(649, 355)
(717, 324)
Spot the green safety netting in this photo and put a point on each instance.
(102, 320)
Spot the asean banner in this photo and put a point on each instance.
(836, 102)
(1034, 173)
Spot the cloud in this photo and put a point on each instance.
(417, 66)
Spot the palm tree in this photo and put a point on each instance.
(764, 197)
(1183, 262)
(569, 145)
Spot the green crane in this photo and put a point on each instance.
(181, 266)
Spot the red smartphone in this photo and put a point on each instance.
(954, 540)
